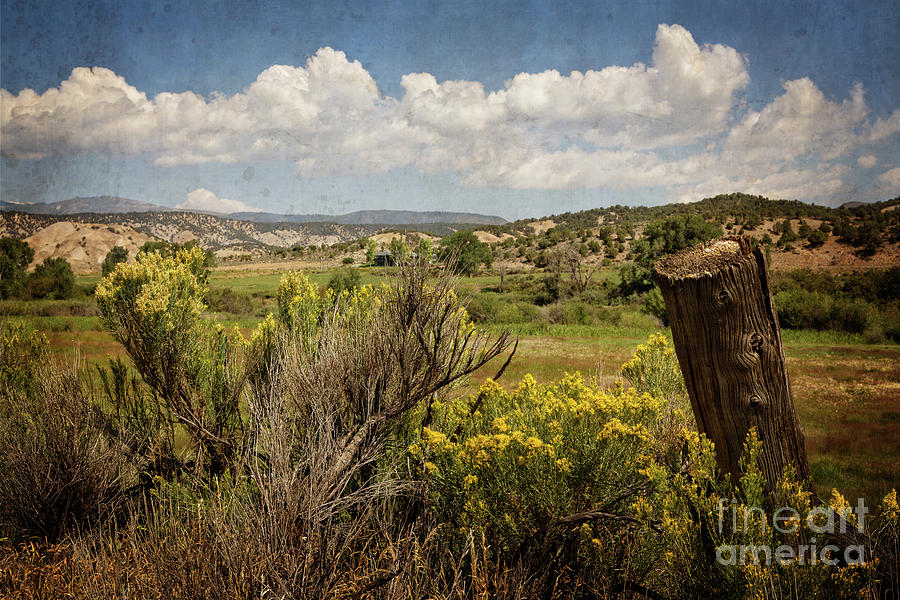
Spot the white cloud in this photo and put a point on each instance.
(799, 122)
(203, 200)
(892, 178)
(330, 118)
(885, 128)
(618, 126)
(867, 162)
(793, 183)
(325, 116)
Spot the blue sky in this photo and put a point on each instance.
(468, 106)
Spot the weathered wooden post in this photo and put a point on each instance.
(728, 343)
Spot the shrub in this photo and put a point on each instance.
(654, 304)
(15, 256)
(153, 308)
(59, 467)
(817, 238)
(345, 280)
(523, 471)
(22, 356)
(170, 249)
(115, 256)
(654, 370)
(705, 553)
(788, 235)
(334, 381)
(229, 301)
(52, 279)
(802, 309)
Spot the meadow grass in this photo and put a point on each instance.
(847, 391)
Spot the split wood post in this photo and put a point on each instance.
(728, 344)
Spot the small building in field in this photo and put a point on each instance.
(383, 259)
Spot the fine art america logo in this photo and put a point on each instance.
(823, 521)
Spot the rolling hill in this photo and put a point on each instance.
(117, 205)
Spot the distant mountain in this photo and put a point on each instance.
(376, 217)
(91, 204)
(116, 205)
(211, 231)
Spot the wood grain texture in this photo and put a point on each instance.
(729, 347)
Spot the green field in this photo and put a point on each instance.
(847, 392)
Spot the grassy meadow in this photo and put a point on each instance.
(847, 391)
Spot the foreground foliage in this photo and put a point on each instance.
(328, 457)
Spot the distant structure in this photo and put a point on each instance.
(383, 259)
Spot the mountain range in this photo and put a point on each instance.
(117, 205)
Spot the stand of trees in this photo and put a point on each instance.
(465, 253)
(52, 279)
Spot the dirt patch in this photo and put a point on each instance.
(84, 245)
(490, 238)
(542, 226)
(386, 238)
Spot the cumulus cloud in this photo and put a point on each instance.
(892, 178)
(797, 123)
(617, 127)
(885, 128)
(790, 183)
(321, 116)
(203, 200)
(330, 118)
(867, 162)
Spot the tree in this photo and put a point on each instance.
(572, 262)
(868, 237)
(425, 250)
(788, 235)
(117, 255)
(15, 256)
(817, 238)
(371, 249)
(162, 247)
(661, 238)
(399, 251)
(52, 279)
(464, 252)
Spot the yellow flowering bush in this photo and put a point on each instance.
(154, 308)
(720, 539)
(508, 463)
(304, 310)
(654, 369)
(586, 476)
(301, 305)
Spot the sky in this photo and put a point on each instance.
(517, 109)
